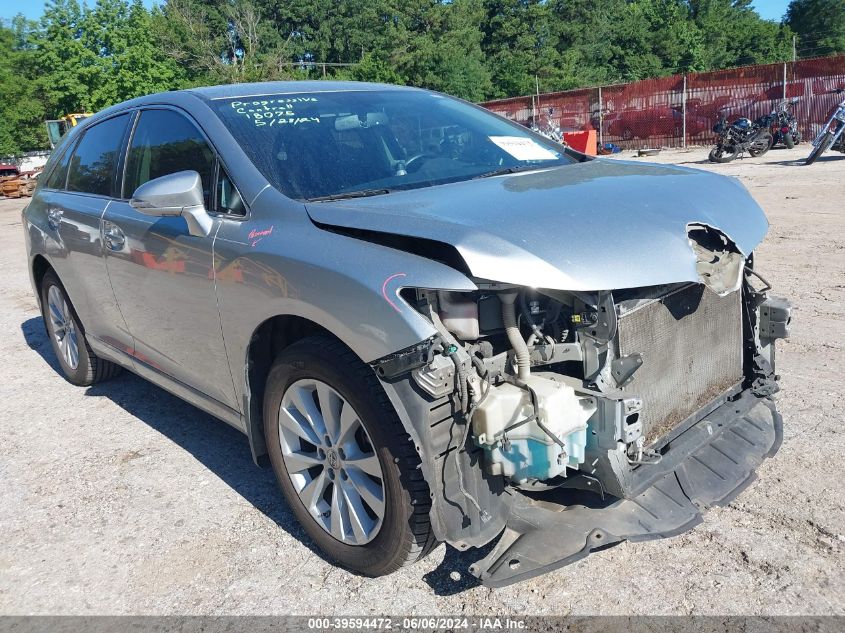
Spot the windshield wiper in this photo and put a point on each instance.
(508, 170)
(363, 193)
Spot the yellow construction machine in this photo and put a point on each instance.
(57, 128)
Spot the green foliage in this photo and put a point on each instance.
(87, 59)
(21, 111)
(819, 24)
(84, 57)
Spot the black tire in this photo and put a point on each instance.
(761, 145)
(627, 134)
(405, 535)
(787, 140)
(90, 368)
(821, 148)
(724, 154)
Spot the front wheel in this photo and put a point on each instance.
(343, 460)
(723, 153)
(824, 143)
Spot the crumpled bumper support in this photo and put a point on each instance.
(539, 538)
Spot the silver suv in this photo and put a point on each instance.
(433, 323)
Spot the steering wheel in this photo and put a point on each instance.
(415, 162)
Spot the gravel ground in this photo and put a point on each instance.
(121, 499)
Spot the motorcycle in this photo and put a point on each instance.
(737, 138)
(547, 127)
(782, 124)
(830, 135)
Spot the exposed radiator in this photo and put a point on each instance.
(691, 343)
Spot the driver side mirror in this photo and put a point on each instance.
(174, 195)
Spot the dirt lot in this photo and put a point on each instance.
(122, 499)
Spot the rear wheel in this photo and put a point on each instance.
(823, 145)
(723, 154)
(344, 462)
(79, 363)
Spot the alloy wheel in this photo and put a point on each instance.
(331, 461)
(63, 327)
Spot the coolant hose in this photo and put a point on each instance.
(520, 349)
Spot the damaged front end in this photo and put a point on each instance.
(568, 420)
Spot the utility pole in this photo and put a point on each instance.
(794, 55)
(601, 121)
(684, 113)
(784, 80)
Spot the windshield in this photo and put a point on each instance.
(344, 144)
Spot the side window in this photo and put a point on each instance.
(165, 142)
(58, 177)
(92, 166)
(228, 198)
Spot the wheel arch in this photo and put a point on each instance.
(39, 267)
(268, 340)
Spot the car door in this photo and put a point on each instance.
(162, 275)
(75, 197)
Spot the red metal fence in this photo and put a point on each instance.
(682, 109)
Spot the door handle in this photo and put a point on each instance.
(113, 236)
(54, 217)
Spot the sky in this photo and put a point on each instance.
(34, 8)
(769, 9)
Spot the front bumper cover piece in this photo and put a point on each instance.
(540, 537)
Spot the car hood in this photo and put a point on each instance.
(597, 225)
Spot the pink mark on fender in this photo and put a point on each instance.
(256, 236)
(384, 290)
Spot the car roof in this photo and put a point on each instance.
(245, 90)
(233, 91)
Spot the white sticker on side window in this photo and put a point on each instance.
(523, 148)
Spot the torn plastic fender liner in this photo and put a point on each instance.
(436, 429)
(537, 540)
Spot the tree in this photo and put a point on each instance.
(222, 42)
(521, 47)
(78, 58)
(21, 111)
(439, 47)
(819, 24)
(129, 61)
(593, 36)
(736, 35)
(67, 71)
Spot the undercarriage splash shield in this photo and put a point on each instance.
(538, 539)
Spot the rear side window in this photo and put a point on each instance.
(58, 176)
(165, 142)
(92, 166)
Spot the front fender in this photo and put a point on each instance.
(348, 286)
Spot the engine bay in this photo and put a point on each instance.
(579, 389)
